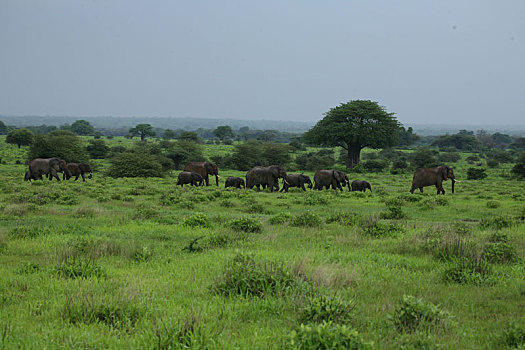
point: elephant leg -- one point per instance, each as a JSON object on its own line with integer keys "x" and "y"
{"x": 54, "y": 174}
{"x": 258, "y": 188}
{"x": 76, "y": 177}
{"x": 207, "y": 180}
{"x": 302, "y": 186}
{"x": 421, "y": 189}
{"x": 83, "y": 177}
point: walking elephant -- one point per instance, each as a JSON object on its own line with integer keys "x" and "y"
{"x": 268, "y": 176}
{"x": 49, "y": 167}
{"x": 204, "y": 169}
{"x": 188, "y": 177}
{"x": 296, "y": 180}
{"x": 433, "y": 177}
{"x": 361, "y": 185}
{"x": 233, "y": 181}
{"x": 327, "y": 178}
{"x": 78, "y": 169}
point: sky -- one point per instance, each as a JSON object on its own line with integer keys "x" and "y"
{"x": 427, "y": 61}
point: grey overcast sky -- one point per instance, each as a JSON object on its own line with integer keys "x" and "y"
{"x": 428, "y": 61}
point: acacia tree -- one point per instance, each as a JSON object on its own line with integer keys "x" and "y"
{"x": 142, "y": 130}
{"x": 82, "y": 127}
{"x": 223, "y": 132}
{"x": 20, "y": 137}
{"x": 354, "y": 126}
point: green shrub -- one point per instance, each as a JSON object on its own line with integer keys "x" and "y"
{"x": 189, "y": 333}
{"x": 326, "y": 336}
{"x": 79, "y": 268}
{"x": 29, "y": 232}
{"x": 315, "y": 198}
{"x": 493, "y": 204}
{"x": 468, "y": 271}
{"x": 472, "y": 159}
{"x": 500, "y": 253}
{"x": 145, "y": 212}
{"x": 497, "y": 222}
{"x": 243, "y": 276}
{"x": 116, "y": 312}
{"x": 371, "y": 226}
{"x": 394, "y": 211}
{"x": 141, "y": 254}
{"x": 323, "y": 308}
{"x": 414, "y": 314}
{"x": 197, "y": 220}
{"x": 246, "y": 224}
{"x": 476, "y": 174}
{"x": 256, "y": 208}
{"x": 279, "y": 219}
{"x": 344, "y": 218}
{"x": 451, "y": 157}
{"x": 513, "y": 337}
{"x": 306, "y": 219}
{"x": 135, "y": 164}
{"x": 375, "y": 165}
{"x": 492, "y": 163}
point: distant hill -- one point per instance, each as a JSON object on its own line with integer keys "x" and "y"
{"x": 437, "y": 129}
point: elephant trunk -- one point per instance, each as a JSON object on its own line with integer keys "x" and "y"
{"x": 453, "y": 182}
{"x": 217, "y": 179}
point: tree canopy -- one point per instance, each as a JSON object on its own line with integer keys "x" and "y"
{"x": 223, "y": 132}
{"x": 354, "y": 126}
{"x": 59, "y": 143}
{"x": 82, "y": 127}
{"x": 20, "y": 137}
{"x": 142, "y": 130}
{"x": 3, "y": 128}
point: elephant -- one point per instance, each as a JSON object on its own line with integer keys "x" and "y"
{"x": 361, "y": 185}
{"x": 233, "y": 181}
{"x": 78, "y": 169}
{"x": 269, "y": 176}
{"x": 29, "y": 176}
{"x": 188, "y": 177}
{"x": 433, "y": 176}
{"x": 296, "y": 180}
{"x": 334, "y": 178}
{"x": 204, "y": 169}
{"x": 49, "y": 167}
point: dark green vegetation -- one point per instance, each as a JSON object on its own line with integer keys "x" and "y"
{"x": 141, "y": 263}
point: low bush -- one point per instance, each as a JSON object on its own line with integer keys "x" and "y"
{"x": 493, "y": 204}
{"x": 513, "y": 337}
{"x": 243, "y": 276}
{"x": 499, "y": 253}
{"x": 306, "y": 219}
{"x": 314, "y": 198}
{"x": 476, "y": 173}
{"x": 196, "y": 220}
{"x": 497, "y": 222}
{"x": 373, "y": 227}
{"x": 393, "y": 209}
{"x": 189, "y": 333}
{"x": 79, "y": 268}
{"x": 326, "y": 336}
{"x": 29, "y": 232}
{"x": 450, "y": 157}
{"x": 246, "y": 224}
{"x": 323, "y": 308}
{"x": 414, "y": 314}
{"x": 375, "y": 165}
{"x": 468, "y": 271}
{"x": 343, "y": 218}
{"x": 141, "y": 254}
{"x": 279, "y": 219}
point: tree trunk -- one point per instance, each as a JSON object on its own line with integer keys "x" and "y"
{"x": 354, "y": 153}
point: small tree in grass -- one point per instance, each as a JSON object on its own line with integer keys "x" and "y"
{"x": 20, "y": 137}
{"x": 142, "y": 130}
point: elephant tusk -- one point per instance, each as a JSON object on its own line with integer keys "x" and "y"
{"x": 457, "y": 181}
{"x": 286, "y": 181}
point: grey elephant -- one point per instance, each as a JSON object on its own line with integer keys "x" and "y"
{"x": 433, "y": 177}
{"x": 233, "y": 181}
{"x": 204, "y": 169}
{"x": 49, "y": 167}
{"x": 361, "y": 185}
{"x": 188, "y": 177}
{"x": 78, "y": 169}
{"x": 268, "y": 176}
{"x": 29, "y": 176}
{"x": 296, "y": 180}
{"x": 333, "y": 178}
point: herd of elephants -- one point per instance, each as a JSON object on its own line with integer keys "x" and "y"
{"x": 197, "y": 173}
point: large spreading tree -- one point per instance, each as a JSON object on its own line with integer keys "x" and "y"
{"x": 142, "y": 130}
{"x": 20, "y": 137}
{"x": 354, "y": 126}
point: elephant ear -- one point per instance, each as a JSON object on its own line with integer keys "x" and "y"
{"x": 275, "y": 171}
{"x": 208, "y": 167}
{"x": 444, "y": 172}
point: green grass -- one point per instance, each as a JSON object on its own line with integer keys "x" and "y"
{"x": 142, "y": 263}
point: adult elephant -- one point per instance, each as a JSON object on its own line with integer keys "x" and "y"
{"x": 78, "y": 169}
{"x": 433, "y": 177}
{"x": 233, "y": 181}
{"x": 327, "y": 178}
{"x": 188, "y": 177}
{"x": 49, "y": 167}
{"x": 204, "y": 169}
{"x": 297, "y": 180}
{"x": 361, "y": 185}
{"x": 269, "y": 176}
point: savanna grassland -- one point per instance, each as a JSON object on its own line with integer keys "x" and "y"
{"x": 142, "y": 263}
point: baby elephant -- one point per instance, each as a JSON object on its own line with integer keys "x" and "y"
{"x": 233, "y": 181}
{"x": 361, "y": 185}
{"x": 78, "y": 169}
{"x": 296, "y": 180}
{"x": 188, "y": 177}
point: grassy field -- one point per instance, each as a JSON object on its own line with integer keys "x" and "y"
{"x": 142, "y": 263}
